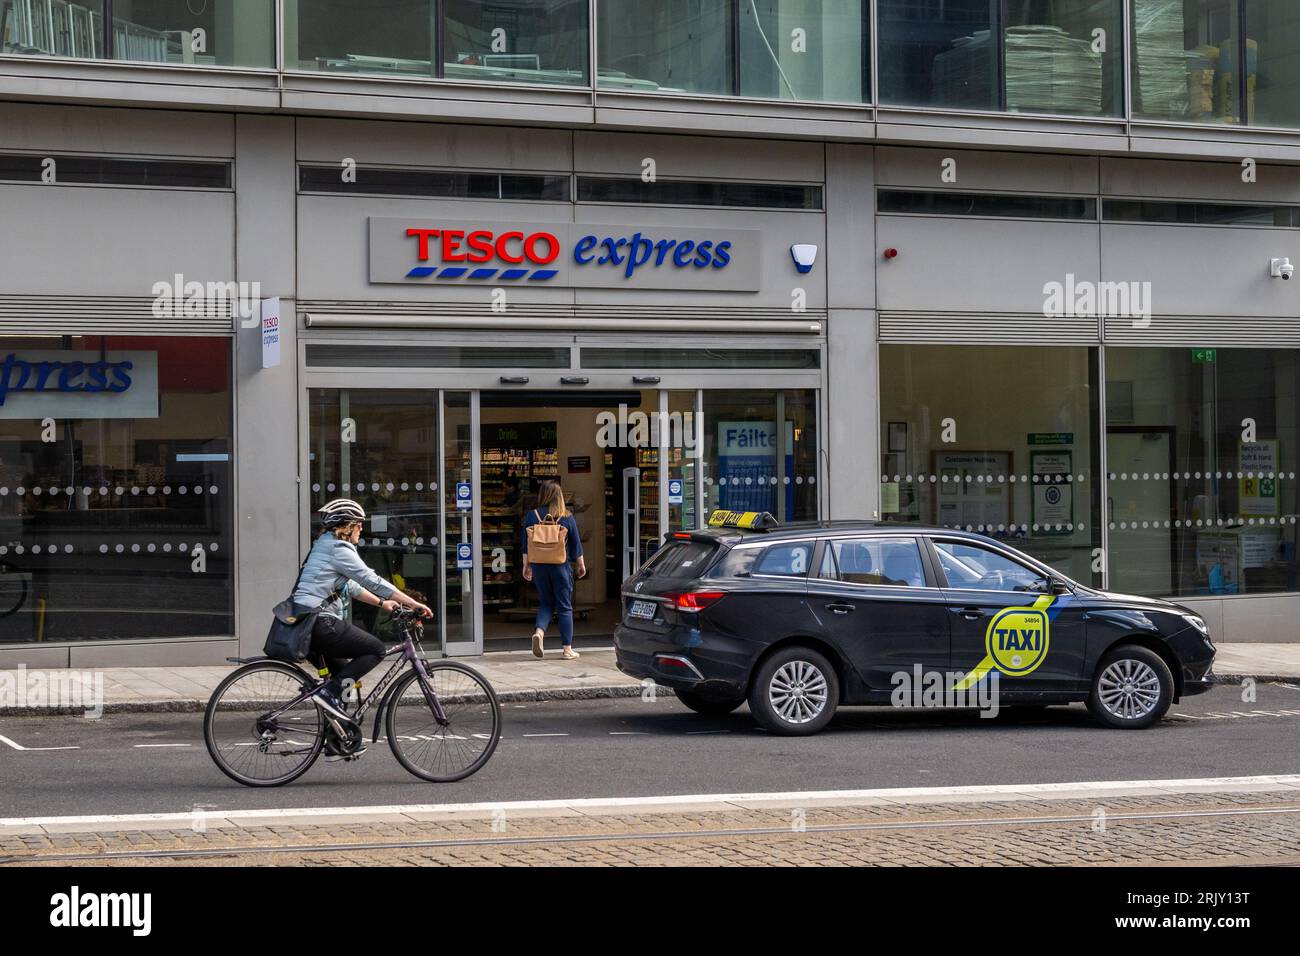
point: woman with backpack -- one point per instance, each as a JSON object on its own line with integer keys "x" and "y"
{"x": 550, "y": 544}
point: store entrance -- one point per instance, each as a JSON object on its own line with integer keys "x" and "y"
{"x": 603, "y": 448}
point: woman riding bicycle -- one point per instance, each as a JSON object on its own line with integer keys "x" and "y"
{"x": 332, "y": 577}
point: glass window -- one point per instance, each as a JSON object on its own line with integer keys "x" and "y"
{"x": 1202, "y": 460}
{"x": 209, "y": 32}
{"x": 787, "y": 560}
{"x": 1185, "y": 55}
{"x": 436, "y": 183}
{"x": 748, "y": 465}
{"x": 435, "y": 356}
{"x": 997, "y": 441}
{"x": 1273, "y": 61}
{"x": 517, "y": 41}
{"x": 678, "y": 192}
{"x": 804, "y": 50}
{"x": 64, "y": 29}
{"x": 381, "y": 36}
{"x": 671, "y": 46}
{"x": 700, "y": 358}
{"x": 1054, "y": 56}
{"x": 680, "y": 559}
{"x": 100, "y": 170}
{"x": 380, "y": 447}
{"x": 985, "y": 204}
{"x": 115, "y": 481}
{"x": 893, "y": 562}
{"x": 1200, "y": 214}
{"x": 980, "y": 569}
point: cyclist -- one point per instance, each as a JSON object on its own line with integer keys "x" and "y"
{"x": 335, "y": 574}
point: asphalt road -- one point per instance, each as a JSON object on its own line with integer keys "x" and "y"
{"x": 140, "y": 763}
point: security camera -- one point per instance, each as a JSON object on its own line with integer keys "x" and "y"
{"x": 1282, "y": 268}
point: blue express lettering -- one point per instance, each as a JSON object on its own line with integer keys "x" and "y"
{"x": 17, "y": 375}
{"x": 633, "y": 252}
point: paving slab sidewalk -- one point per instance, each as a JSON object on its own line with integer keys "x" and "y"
{"x": 516, "y": 675}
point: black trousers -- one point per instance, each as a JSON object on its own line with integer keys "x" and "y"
{"x": 338, "y": 641}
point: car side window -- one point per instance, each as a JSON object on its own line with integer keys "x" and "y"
{"x": 788, "y": 560}
{"x": 982, "y": 569}
{"x": 893, "y": 562}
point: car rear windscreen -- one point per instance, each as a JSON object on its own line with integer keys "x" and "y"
{"x": 681, "y": 559}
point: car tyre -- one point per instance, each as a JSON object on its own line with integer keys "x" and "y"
{"x": 708, "y": 706}
{"x": 794, "y": 692}
{"x": 1131, "y": 688}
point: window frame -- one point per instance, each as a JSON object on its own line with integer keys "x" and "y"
{"x": 1047, "y": 573}
{"x": 927, "y": 562}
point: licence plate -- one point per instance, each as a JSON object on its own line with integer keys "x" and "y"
{"x": 645, "y": 610}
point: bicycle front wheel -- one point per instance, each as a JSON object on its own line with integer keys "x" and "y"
{"x": 443, "y": 753}
{"x": 248, "y": 744}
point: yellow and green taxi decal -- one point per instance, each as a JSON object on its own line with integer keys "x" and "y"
{"x": 1017, "y": 639}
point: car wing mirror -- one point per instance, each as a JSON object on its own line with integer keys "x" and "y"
{"x": 1057, "y": 586}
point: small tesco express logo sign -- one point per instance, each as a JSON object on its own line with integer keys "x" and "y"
{"x": 532, "y": 254}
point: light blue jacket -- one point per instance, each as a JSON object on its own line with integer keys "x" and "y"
{"x": 335, "y": 569}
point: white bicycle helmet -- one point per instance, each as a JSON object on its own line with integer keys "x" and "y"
{"x": 341, "y": 511}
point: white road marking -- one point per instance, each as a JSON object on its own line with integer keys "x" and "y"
{"x": 629, "y": 733}
{"x": 17, "y": 746}
{"x": 162, "y": 745}
{"x": 1090, "y": 789}
{"x": 696, "y": 733}
{"x": 543, "y": 735}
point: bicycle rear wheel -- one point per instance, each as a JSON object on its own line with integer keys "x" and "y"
{"x": 440, "y": 753}
{"x": 251, "y": 747}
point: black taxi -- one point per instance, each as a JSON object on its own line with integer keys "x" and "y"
{"x": 797, "y": 620}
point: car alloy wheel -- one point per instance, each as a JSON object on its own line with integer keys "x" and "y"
{"x": 1128, "y": 689}
{"x": 798, "y": 692}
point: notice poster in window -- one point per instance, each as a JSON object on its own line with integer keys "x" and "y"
{"x": 972, "y": 489}
{"x": 1257, "y": 478}
{"x": 747, "y": 466}
{"x": 1053, "y": 494}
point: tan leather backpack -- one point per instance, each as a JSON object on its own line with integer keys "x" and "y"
{"x": 548, "y": 540}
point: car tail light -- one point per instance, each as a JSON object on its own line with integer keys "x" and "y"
{"x": 684, "y": 535}
{"x": 695, "y": 600}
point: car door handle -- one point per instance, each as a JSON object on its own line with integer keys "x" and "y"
{"x": 840, "y": 607}
{"x": 969, "y": 613}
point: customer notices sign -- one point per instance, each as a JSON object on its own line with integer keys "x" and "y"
{"x": 453, "y": 253}
{"x": 54, "y": 383}
{"x": 747, "y": 478}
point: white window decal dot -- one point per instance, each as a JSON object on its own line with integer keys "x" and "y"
{"x": 182, "y": 490}
{"x": 167, "y": 489}
{"x": 315, "y": 486}
{"x": 135, "y": 490}
{"x": 36, "y": 491}
{"x": 151, "y": 548}
{"x": 167, "y": 548}
{"x": 419, "y": 486}
{"x": 405, "y": 486}
{"x": 103, "y": 549}
{"x": 67, "y": 549}
{"x": 135, "y": 549}
{"x": 213, "y": 546}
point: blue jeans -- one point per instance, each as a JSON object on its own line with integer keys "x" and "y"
{"x": 554, "y": 583}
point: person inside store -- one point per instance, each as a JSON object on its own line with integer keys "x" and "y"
{"x": 552, "y": 533}
{"x": 333, "y": 576}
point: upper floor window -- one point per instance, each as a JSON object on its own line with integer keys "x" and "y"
{"x": 779, "y": 49}
{"x": 196, "y": 33}
{"x": 1044, "y": 56}
{"x": 511, "y": 41}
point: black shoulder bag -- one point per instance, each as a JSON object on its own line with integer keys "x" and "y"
{"x": 289, "y": 638}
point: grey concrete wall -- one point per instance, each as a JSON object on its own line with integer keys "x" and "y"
{"x": 266, "y": 422}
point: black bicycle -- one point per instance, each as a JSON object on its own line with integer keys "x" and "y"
{"x": 443, "y": 720}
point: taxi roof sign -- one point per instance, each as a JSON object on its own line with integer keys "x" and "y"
{"x": 748, "y": 520}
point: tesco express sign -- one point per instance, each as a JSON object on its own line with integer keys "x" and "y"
{"x": 564, "y": 254}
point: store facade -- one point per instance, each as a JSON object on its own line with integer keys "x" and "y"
{"x": 455, "y": 352}
{"x": 1084, "y": 355}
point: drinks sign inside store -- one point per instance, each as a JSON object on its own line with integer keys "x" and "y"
{"x": 565, "y": 254}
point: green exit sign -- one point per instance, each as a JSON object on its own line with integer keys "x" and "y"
{"x": 1203, "y": 356}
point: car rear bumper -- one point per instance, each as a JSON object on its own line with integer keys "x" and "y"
{"x": 678, "y": 658}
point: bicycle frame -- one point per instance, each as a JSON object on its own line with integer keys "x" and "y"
{"x": 407, "y": 650}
